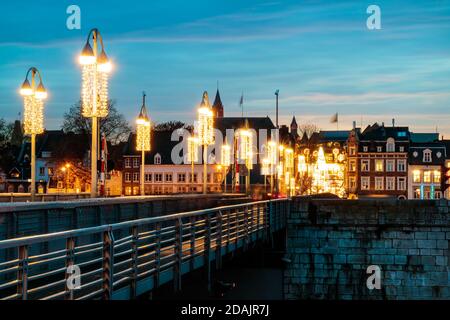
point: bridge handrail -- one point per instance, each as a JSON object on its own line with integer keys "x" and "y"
{"x": 168, "y": 242}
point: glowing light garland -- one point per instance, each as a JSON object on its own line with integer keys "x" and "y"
{"x": 226, "y": 155}
{"x": 143, "y": 136}
{"x": 33, "y": 117}
{"x": 205, "y": 126}
{"x": 90, "y": 77}
{"x": 192, "y": 154}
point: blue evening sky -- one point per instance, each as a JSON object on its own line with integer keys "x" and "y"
{"x": 320, "y": 55}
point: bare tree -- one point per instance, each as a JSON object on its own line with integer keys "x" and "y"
{"x": 114, "y": 126}
{"x": 308, "y": 128}
{"x": 171, "y": 126}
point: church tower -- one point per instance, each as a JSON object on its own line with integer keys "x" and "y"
{"x": 217, "y": 106}
{"x": 294, "y": 127}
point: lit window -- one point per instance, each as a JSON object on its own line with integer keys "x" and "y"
{"x": 379, "y": 149}
{"x": 365, "y": 148}
{"x": 379, "y": 181}
{"x": 352, "y": 151}
{"x": 128, "y": 165}
{"x": 416, "y": 176}
{"x": 437, "y": 176}
{"x": 128, "y": 178}
{"x": 379, "y": 165}
{"x": 136, "y": 162}
{"x": 352, "y": 182}
{"x": 352, "y": 165}
{"x": 136, "y": 176}
{"x": 427, "y": 176}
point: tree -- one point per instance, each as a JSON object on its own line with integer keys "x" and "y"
{"x": 308, "y": 128}
{"x": 171, "y": 126}
{"x": 7, "y": 149}
{"x": 114, "y": 126}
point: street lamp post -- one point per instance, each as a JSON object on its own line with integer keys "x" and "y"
{"x": 205, "y": 132}
{"x": 143, "y": 127}
{"x": 246, "y": 153}
{"x": 192, "y": 157}
{"x": 33, "y": 100}
{"x": 225, "y": 162}
{"x": 95, "y": 69}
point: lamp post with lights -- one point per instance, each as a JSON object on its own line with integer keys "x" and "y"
{"x": 205, "y": 132}
{"x": 33, "y": 100}
{"x": 246, "y": 152}
{"x": 143, "y": 127}
{"x": 225, "y": 162}
{"x": 192, "y": 157}
{"x": 95, "y": 70}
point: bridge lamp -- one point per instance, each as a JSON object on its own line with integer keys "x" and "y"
{"x": 192, "y": 155}
{"x": 205, "y": 132}
{"x": 94, "y": 93}
{"x": 33, "y": 116}
{"x": 246, "y": 152}
{"x": 143, "y": 127}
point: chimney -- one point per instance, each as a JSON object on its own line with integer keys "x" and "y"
{"x": 393, "y": 122}
{"x": 354, "y": 125}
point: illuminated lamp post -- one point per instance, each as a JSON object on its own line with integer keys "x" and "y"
{"x": 192, "y": 156}
{"x": 265, "y": 171}
{"x": 205, "y": 133}
{"x": 273, "y": 161}
{"x": 246, "y": 153}
{"x": 94, "y": 93}
{"x": 302, "y": 169}
{"x": 289, "y": 170}
{"x": 225, "y": 162}
{"x": 143, "y": 139}
{"x": 33, "y": 101}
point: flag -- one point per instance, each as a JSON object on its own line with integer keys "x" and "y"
{"x": 334, "y": 118}
{"x": 241, "y": 101}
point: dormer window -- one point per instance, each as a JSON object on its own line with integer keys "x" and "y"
{"x": 157, "y": 159}
{"x": 390, "y": 145}
{"x": 427, "y": 155}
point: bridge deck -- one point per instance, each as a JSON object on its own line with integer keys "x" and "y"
{"x": 124, "y": 260}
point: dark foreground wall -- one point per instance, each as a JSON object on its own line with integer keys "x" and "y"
{"x": 332, "y": 242}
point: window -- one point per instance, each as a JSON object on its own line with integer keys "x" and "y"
{"x": 379, "y": 181}
{"x": 437, "y": 176}
{"x": 390, "y": 165}
{"x": 401, "y": 165}
{"x": 365, "y": 165}
{"x": 427, "y": 176}
{"x": 390, "y": 145}
{"x": 195, "y": 177}
{"x": 352, "y": 182}
{"x": 157, "y": 159}
{"x": 401, "y": 183}
{"x": 158, "y": 177}
{"x": 128, "y": 178}
{"x": 42, "y": 171}
{"x": 365, "y": 148}
{"x": 168, "y": 177}
{"x": 365, "y": 183}
{"x": 352, "y": 151}
{"x": 208, "y": 178}
{"x": 437, "y": 195}
{"x": 50, "y": 171}
{"x": 417, "y": 193}
{"x": 401, "y": 149}
{"x": 427, "y": 155}
{"x": 181, "y": 177}
{"x": 128, "y": 165}
{"x": 136, "y": 176}
{"x": 379, "y": 164}
{"x": 148, "y": 177}
{"x": 379, "y": 149}
{"x": 135, "y": 162}
{"x": 390, "y": 183}
{"x": 401, "y": 134}
{"x": 352, "y": 165}
{"x": 128, "y": 191}
{"x": 416, "y": 176}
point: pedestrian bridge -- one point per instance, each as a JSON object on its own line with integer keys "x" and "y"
{"x": 126, "y": 259}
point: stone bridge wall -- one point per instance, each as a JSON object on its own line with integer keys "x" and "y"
{"x": 332, "y": 242}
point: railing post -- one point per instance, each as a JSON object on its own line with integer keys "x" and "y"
{"x": 134, "y": 260}
{"x": 178, "y": 254}
{"x": 108, "y": 264}
{"x": 219, "y": 240}
{"x": 192, "y": 243}
{"x": 70, "y": 248}
{"x": 157, "y": 253}
{"x": 207, "y": 249}
{"x": 22, "y": 273}
{"x": 246, "y": 227}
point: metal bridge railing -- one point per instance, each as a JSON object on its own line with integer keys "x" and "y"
{"x": 124, "y": 260}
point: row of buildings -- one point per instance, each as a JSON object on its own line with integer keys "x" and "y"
{"x": 377, "y": 161}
